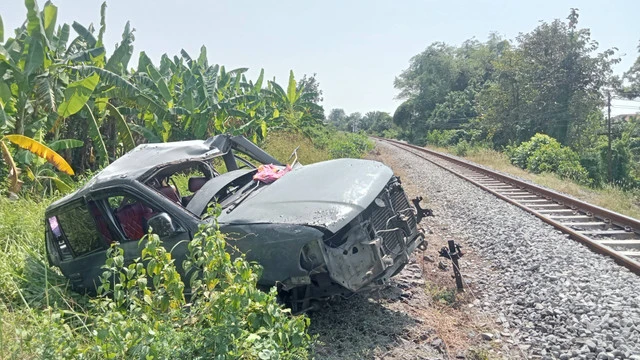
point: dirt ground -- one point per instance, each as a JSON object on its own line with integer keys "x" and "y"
{"x": 419, "y": 315}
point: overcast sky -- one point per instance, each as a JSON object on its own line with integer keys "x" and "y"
{"x": 356, "y": 48}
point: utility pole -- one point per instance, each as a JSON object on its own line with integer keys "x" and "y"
{"x": 609, "y": 165}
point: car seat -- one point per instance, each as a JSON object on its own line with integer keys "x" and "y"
{"x": 133, "y": 220}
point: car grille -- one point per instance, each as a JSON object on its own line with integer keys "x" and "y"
{"x": 401, "y": 203}
{"x": 395, "y": 201}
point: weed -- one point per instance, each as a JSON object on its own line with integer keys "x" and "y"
{"x": 143, "y": 313}
{"x": 316, "y": 144}
{"x": 441, "y": 295}
{"x": 461, "y": 148}
{"x": 478, "y": 354}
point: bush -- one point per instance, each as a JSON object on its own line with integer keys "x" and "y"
{"x": 141, "y": 311}
{"x": 439, "y": 137}
{"x": 318, "y": 143}
{"x": 445, "y": 138}
{"x": 392, "y": 133}
{"x": 591, "y": 161}
{"x": 621, "y": 164}
{"x": 545, "y": 154}
{"x": 461, "y": 148}
{"x": 349, "y": 145}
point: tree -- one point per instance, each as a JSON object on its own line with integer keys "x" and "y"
{"x": 376, "y": 122}
{"x": 337, "y": 117}
{"x": 441, "y": 84}
{"x": 632, "y": 78}
{"x": 353, "y": 122}
{"x": 567, "y": 75}
{"x": 311, "y": 84}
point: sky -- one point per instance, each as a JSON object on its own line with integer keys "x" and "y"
{"x": 355, "y": 48}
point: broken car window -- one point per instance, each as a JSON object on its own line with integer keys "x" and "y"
{"x": 79, "y": 228}
{"x": 132, "y": 215}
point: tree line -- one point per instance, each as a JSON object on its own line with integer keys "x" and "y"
{"x": 553, "y": 80}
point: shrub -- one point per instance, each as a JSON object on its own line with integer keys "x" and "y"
{"x": 349, "y": 145}
{"x": 461, "y": 148}
{"x": 439, "y": 137}
{"x": 621, "y": 164}
{"x": 453, "y": 137}
{"x": 392, "y": 133}
{"x": 141, "y": 311}
{"x": 227, "y": 316}
{"x": 592, "y": 163}
{"x": 545, "y": 154}
{"x": 318, "y": 143}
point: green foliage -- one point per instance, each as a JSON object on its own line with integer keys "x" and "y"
{"x": 393, "y": 133}
{"x": 545, "y": 154}
{"x": 441, "y": 84}
{"x": 445, "y": 138}
{"x": 441, "y": 295}
{"x": 479, "y": 354}
{"x": 373, "y": 122}
{"x": 349, "y": 145}
{"x": 549, "y": 80}
{"x": 622, "y": 173}
{"x": 591, "y": 161}
{"x": 281, "y": 143}
{"x": 52, "y": 89}
{"x": 142, "y": 311}
{"x": 318, "y": 143}
{"x": 461, "y": 148}
{"x": 77, "y": 94}
{"x": 439, "y": 138}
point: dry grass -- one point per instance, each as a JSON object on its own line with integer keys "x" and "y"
{"x": 609, "y": 197}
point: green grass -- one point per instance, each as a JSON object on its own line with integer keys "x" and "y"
{"x": 441, "y": 295}
{"x": 280, "y": 144}
{"x": 316, "y": 144}
{"x": 29, "y": 289}
{"x": 40, "y": 317}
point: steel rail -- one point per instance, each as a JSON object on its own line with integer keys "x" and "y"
{"x": 524, "y": 192}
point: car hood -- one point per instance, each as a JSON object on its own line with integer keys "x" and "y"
{"x": 328, "y": 194}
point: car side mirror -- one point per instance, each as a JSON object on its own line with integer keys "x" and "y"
{"x": 162, "y": 224}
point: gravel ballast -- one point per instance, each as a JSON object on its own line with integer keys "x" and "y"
{"x": 552, "y": 297}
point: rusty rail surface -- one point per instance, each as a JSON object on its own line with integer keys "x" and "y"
{"x": 604, "y": 231}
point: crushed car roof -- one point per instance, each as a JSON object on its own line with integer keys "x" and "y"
{"x": 146, "y": 158}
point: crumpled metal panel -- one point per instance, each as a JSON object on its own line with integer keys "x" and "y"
{"x": 328, "y": 194}
{"x": 355, "y": 263}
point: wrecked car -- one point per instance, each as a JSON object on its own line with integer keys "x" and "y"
{"x": 325, "y": 229}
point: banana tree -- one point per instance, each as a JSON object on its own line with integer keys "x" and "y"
{"x": 36, "y": 148}
{"x": 295, "y": 104}
{"x": 203, "y": 99}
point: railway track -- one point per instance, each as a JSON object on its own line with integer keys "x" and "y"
{"x": 604, "y": 231}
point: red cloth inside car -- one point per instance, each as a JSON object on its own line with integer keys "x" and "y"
{"x": 133, "y": 220}
{"x": 101, "y": 222}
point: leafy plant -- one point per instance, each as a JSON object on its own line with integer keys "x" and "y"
{"x": 461, "y": 148}
{"x": 545, "y": 154}
{"x": 36, "y": 148}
